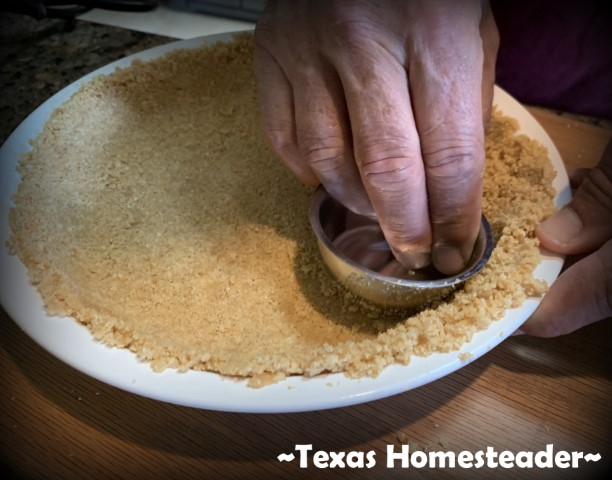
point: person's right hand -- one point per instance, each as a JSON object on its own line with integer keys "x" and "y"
{"x": 383, "y": 103}
{"x": 583, "y": 293}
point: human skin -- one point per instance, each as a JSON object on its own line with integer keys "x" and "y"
{"x": 582, "y": 229}
{"x": 385, "y": 104}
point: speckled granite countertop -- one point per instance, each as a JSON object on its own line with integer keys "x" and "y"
{"x": 39, "y": 58}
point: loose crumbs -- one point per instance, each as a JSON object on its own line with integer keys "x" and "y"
{"x": 151, "y": 210}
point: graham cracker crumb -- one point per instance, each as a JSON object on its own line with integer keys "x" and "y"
{"x": 465, "y": 356}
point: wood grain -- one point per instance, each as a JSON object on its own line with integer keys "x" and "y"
{"x": 58, "y": 423}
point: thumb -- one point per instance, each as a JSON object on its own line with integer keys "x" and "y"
{"x": 583, "y": 293}
{"x": 585, "y": 223}
{"x": 580, "y": 296}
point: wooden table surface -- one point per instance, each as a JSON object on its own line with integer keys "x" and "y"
{"x": 59, "y": 423}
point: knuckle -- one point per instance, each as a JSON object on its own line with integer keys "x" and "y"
{"x": 453, "y": 218}
{"x": 596, "y": 191}
{"x": 455, "y": 164}
{"x": 447, "y": 156}
{"x": 387, "y": 178}
{"x": 323, "y": 155}
{"x": 389, "y": 165}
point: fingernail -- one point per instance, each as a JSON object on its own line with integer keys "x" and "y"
{"x": 517, "y": 332}
{"x": 448, "y": 259}
{"x": 363, "y": 208}
{"x": 355, "y": 201}
{"x": 413, "y": 260}
{"x": 563, "y": 226}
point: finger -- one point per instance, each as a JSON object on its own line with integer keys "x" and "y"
{"x": 578, "y": 176}
{"x": 585, "y": 223}
{"x": 490, "y": 45}
{"x": 323, "y": 135}
{"x": 386, "y": 148}
{"x": 580, "y": 296}
{"x": 277, "y": 114}
{"x": 446, "y": 92}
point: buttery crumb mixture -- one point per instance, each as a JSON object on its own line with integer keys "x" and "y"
{"x": 151, "y": 210}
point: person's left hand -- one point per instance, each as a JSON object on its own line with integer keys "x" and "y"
{"x": 583, "y": 293}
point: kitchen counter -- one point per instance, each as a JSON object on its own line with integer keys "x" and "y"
{"x": 39, "y": 58}
{"x": 59, "y": 423}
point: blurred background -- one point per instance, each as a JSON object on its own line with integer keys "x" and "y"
{"x": 184, "y": 18}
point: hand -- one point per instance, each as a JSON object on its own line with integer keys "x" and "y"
{"x": 583, "y": 293}
{"x": 383, "y": 103}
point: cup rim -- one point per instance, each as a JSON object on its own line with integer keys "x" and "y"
{"x": 321, "y": 195}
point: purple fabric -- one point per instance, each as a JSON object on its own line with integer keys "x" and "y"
{"x": 556, "y": 54}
